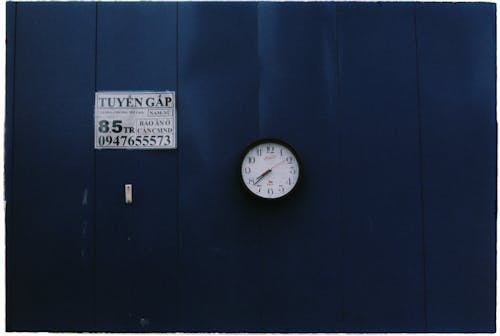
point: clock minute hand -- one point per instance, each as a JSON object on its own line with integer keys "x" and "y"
{"x": 261, "y": 176}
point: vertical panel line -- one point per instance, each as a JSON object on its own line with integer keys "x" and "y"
{"x": 178, "y": 229}
{"x": 421, "y": 168}
{"x": 260, "y": 245}
{"x": 10, "y": 212}
{"x": 95, "y": 172}
{"x": 259, "y": 67}
{"x": 340, "y": 179}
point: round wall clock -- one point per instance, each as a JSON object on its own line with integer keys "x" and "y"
{"x": 270, "y": 169}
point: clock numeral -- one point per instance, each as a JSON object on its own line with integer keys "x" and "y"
{"x": 293, "y": 170}
{"x": 289, "y": 181}
{"x": 281, "y": 151}
{"x": 281, "y": 189}
{"x": 270, "y": 149}
{"x": 260, "y": 187}
{"x": 270, "y": 191}
{"x": 251, "y": 159}
{"x": 259, "y": 151}
{"x": 289, "y": 159}
{"x": 251, "y": 181}
{"x": 247, "y": 170}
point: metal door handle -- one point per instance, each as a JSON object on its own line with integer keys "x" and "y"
{"x": 128, "y": 194}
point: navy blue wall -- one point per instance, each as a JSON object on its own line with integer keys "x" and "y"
{"x": 136, "y": 246}
{"x": 50, "y": 195}
{"x": 391, "y": 107}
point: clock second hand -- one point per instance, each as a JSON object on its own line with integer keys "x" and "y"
{"x": 261, "y": 176}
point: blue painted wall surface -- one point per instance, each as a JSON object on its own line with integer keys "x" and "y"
{"x": 391, "y": 107}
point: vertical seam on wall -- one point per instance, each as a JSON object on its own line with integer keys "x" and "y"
{"x": 178, "y": 231}
{"x": 95, "y": 177}
{"x": 10, "y": 212}
{"x": 259, "y": 69}
{"x": 421, "y": 168}
{"x": 495, "y": 185}
{"x": 259, "y": 134}
{"x": 339, "y": 144}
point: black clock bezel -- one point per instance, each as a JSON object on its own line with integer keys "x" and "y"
{"x": 280, "y": 142}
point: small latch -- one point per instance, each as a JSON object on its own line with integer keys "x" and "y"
{"x": 128, "y": 194}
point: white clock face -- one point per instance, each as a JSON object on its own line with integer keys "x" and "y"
{"x": 270, "y": 169}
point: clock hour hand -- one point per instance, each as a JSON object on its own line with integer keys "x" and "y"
{"x": 261, "y": 176}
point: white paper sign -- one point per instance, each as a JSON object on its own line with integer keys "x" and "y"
{"x": 135, "y": 120}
